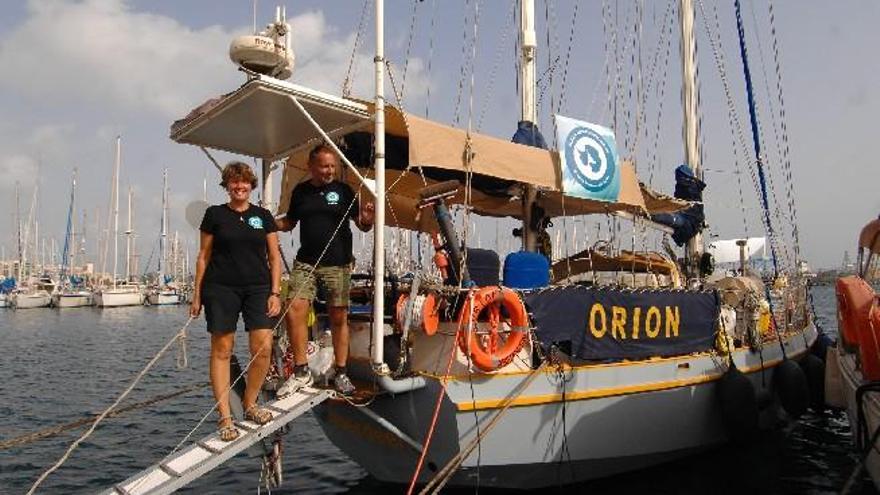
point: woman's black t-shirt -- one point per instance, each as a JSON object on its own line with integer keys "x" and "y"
{"x": 319, "y": 211}
{"x": 239, "y": 255}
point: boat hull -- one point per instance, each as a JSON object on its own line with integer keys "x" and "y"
{"x": 164, "y": 298}
{"x": 617, "y": 418}
{"x": 41, "y": 299}
{"x": 73, "y": 300}
{"x": 851, "y": 379}
{"x": 112, "y": 298}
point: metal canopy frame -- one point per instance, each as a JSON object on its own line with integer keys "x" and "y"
{"x": 258, "y": 119}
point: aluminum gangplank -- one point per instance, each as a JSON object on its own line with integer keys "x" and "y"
{"x": 183, "y": 467}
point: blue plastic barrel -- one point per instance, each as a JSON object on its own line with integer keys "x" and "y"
{"x": 526, "y": 270}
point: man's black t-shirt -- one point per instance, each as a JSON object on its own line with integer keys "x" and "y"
{"x": 319, "y": 210}
{"x": 239, "y": 256}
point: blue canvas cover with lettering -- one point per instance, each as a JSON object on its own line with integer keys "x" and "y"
{"x": 605, "y": 324}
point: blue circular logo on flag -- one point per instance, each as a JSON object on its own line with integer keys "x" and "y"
{"x": 332, "y": 197}
{"x": 255, "y": 222}
{"x": 590, "y": 159}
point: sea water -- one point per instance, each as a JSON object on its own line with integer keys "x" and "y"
{"x": 60, "y": 366}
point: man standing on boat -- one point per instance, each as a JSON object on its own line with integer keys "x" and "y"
{"x": 322, "y": 206}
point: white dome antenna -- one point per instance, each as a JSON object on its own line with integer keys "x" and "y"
{"x": 268, "y": 52}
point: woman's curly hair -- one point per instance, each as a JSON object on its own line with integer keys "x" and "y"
{"x": 237, "y": 171}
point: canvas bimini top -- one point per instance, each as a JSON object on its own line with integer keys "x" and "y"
{"x": 261, "y": 119}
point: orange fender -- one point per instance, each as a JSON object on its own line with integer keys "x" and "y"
{"x": 484, "y": 349}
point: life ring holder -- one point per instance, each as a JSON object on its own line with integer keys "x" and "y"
{"x": 483, "y": 349}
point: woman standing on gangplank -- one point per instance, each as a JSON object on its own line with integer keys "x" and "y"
{"x": 238, "y": 271}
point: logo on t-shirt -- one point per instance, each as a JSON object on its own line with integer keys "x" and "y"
{"x": 332, "y": 198}
{"x": 255, "y": 222}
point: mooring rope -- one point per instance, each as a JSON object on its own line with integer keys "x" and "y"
{"x": 54, "y": 430}
{"x": 113, "y": 406}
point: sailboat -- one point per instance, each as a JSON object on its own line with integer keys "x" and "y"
{"x": 164, "y": 293}
{"x": 547, "y": 363}
{"x": 71, "y": 293}
{"x": 115, "y": 293}
{"x": 31, "y": 292}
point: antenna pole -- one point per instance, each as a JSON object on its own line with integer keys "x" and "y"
{"x": 379, "y": 224}
{"x": 528, "y": 111}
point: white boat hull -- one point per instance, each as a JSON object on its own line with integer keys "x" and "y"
{"x": 39, "y": 299}
{"x": 851, "y": 379}
{"x": 618, "y": 417}
{"x": 114, "y": 298}
{"x": 164, "y": 298}
{"x": 72, "y": 300}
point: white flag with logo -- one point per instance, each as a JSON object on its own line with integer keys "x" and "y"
{"x": 588, "y": 157}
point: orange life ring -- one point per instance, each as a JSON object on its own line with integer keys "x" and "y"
{"x": 484, "y": 349}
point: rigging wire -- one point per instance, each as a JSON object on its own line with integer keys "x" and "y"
{"x": 409, "y": 43}
{"x": 352, "y": 69}
{"x": 755, "y": 137}
{"x": 736, "y": 127}
{"x": 430, "y": 57}
{"x": 666, "y": 29}
{"x": 786, "y": 155}
{"x": 490, "y": 89}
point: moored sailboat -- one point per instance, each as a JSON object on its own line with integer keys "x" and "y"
{"x": 536, "y": 366}
{"x": 116, "y": 294}
{"x": 71, "y": 292}
{"x": 163, "y": 293}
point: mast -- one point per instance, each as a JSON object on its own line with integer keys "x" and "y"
{"x": 128, "y": 232}
{"x": 528, "y": 111}
{"x": 18, "y": 219}
{"x": 690, "y": 130}
{"x": 69, "y": 240}
{"x": 115, "y": 205}
{"x": 379, "y": 223}
{"x": 175, "y": 257}
{"x": 72, "y": 261}
{"x": 164, "y": 232}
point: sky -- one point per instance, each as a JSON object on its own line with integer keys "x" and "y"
{"x": 78, "y": 73}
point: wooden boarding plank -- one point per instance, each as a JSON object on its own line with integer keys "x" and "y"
{"x": 211, "y": 452}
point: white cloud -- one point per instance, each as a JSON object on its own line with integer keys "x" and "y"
{"x": 104, "y": 51}
{"x": 80, "y": 72}
{"x": 18, "y": 168}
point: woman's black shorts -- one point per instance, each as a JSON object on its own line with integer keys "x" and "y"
{"x": 223, "y": 303}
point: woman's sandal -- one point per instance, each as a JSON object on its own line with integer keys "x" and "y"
{"x": 258, "y": 415}
{"x": 226, "y": 429}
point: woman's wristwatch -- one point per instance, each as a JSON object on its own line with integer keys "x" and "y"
{"x": 276, "y": 293}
